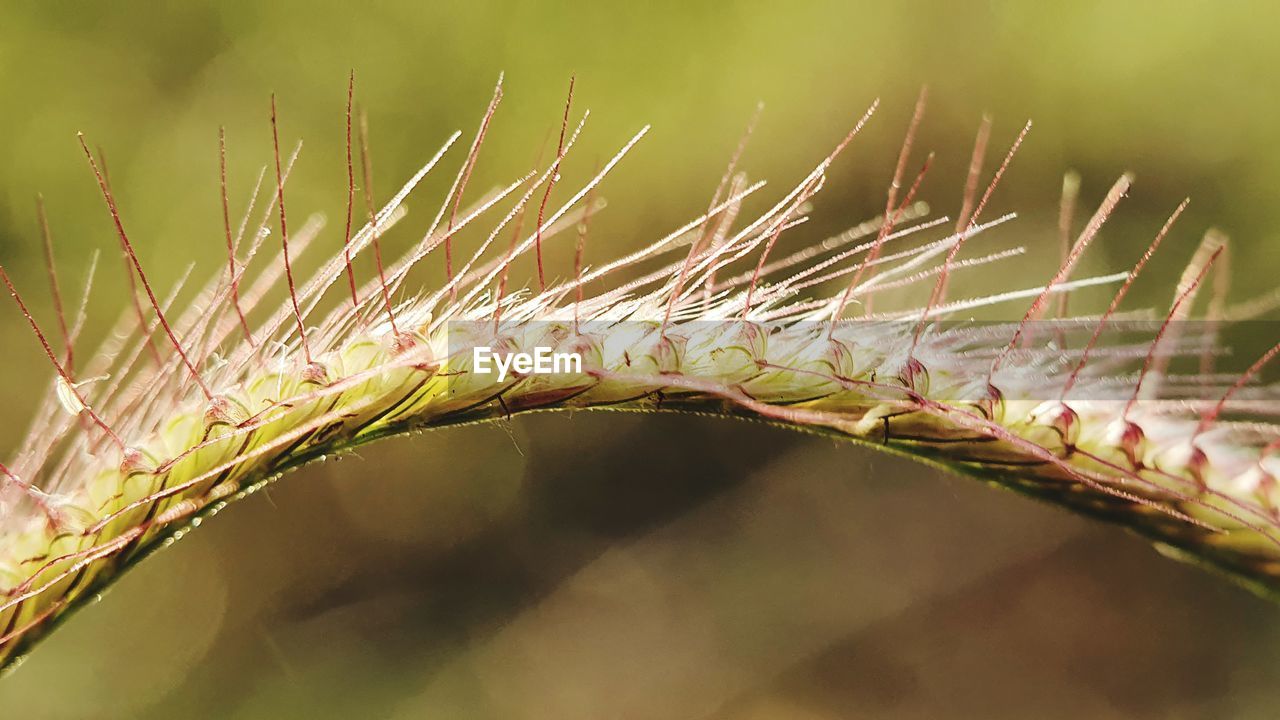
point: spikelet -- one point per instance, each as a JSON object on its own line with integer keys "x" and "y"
{"x": 1086, "y": 412}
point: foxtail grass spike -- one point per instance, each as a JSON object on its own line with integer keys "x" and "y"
{"x": 1116, "y": 416}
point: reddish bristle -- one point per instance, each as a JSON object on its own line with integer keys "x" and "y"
{"x": 128, "y": 271}
{"x": 102, "y": 159}
{"x": 137, "y": 310}
{"x": 1086, "y": 236}
{"x": 472, "y": 156}
{"x": 707, "y": 231}
{"x": 890, "y": 206}
{"x": 55, "y": 290}
{"x": 904, "y": 153}
{"x": 137, "y": 265}
{"x": 50, "y": 516}
{"x": 366, "y": 176}
{"x": 729, "y": 172}
{"x": 1066, "y": 216}
{"x": 232, "y": 275}
{"x": 351, "y": 196}
{"x": 1217, "y": 309}
{"x": 1115, "y": 302}
{"x": 1212, "y": 241}
{"x": 1186, "y": 293}
{"x": 551, "y": 183}
{"x": 32, "y": 492}
{"x": 853, "y": 132}
{"x": 976, "y": 160}
{"x": 517, "y": 227}
{"x": 755, "y": 276}
{"x": 1209, "y": 417}
{"x": 578, "y": 251}
{"x": 284, "y": 235}
{"x": 57, "y": 366}
{"x": 938, "y": 286}
{"x": 696, "y": 247}
{"x": 874, "y": 252}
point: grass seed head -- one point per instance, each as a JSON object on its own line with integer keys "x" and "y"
{"x": 700, "y": 320}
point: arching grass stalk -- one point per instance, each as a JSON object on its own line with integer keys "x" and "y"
{"x": 1084, "y": 412}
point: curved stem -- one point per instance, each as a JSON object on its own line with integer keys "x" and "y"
{"x": 1176, "y": 545}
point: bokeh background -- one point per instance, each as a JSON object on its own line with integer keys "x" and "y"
{"x": 600, "y": 566}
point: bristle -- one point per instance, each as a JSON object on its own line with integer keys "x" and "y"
{"x": 284, "y": 237}
{"x": 1212, "y": 245}
{"x": 658, "y": 247}
{"x": 82, "y": 310}
{"x": 724, "y": 222}
{"x": 1066, "y": 217}
{"x": 1208, "y": 418}
{"x": 794, "y": 280}
{"x": 1090, "y": 231}
{"x": 1254, "y": 307}
{"x": 102, "y": 159}
{"x": 34, "y": 622}
{"x": 755, "y": 276}
{"x": 69, "y": 382}
{"x": 853, "y": 133}
{"x": 1217, "y": 310}
{"x": 465, "y": 272}
{"x": 936, "y": 296}
{"x": 460, "y": 184}
{"x": 105, "y": 179}
{"x": 730, "y": 170}
{"x": 1074, "y": 375}
{"x": 527, "y": 243}
{"x": 1186, "y": 291}
{"x": 890, "y": 207}
{"x": 142, "y": 276}
{"x": 128, "y": 267}
{"x": 55, "y": 291}
{"x": 886, "y": 228}
{"x": 366, "y": 175}
{"x": 516, "y": 229}
{"x": 118, "y": 398}
{"x": 38, "y": 498}
{"x": 698, "y": 245}
{"x": 775, "y": 217}
{"x": 241, "y": 302}
{"x": 546, "y": 195}
{"x": 502, "y": 265}
{"x": 904, "y": 153}
{"x": 233, "y": 277}
{"x": 351, "y": 196}
{"x": 976, "y": 160}
{"x": 578, "y": 251}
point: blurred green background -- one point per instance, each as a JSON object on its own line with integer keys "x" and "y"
{"x": 601, "y": 566}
